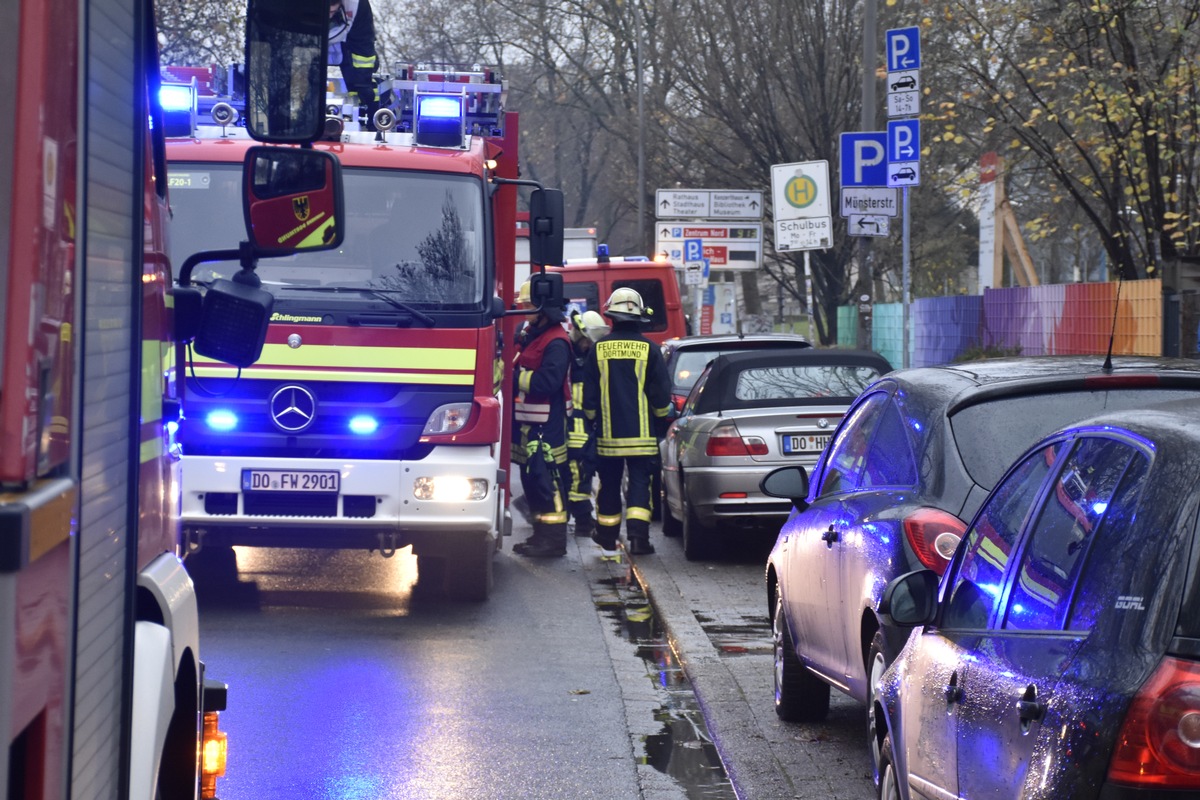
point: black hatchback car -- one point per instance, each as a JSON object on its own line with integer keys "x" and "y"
{"x": 1059, "y": 656}
{"x": 911, "y": 461}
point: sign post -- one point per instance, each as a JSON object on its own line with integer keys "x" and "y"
{"x": 904, "y": 135}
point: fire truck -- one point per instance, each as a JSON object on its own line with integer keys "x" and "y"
{"x": 103, "y": 691}
{"x": 375, "y": 417}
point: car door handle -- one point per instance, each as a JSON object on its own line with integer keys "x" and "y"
{"x": 952, "y": 691}
{"x": 830, "y": 536}
{"x": 1029, "y": 708}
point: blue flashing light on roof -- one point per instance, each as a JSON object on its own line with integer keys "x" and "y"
{"x": 440, "y": 106}
{"x": 175, "y": 97}
{"x": 602, "y": 252}
{"x": 439, "y": 120}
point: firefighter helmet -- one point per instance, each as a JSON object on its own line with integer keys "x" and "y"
{"x": 625, "y": 304}
{"x": 523, "y": 296}
{"x": 594, "y": 326}
{"x": 589, "y": 324}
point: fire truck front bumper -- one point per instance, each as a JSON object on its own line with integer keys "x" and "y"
{"x": 454, "y": 492}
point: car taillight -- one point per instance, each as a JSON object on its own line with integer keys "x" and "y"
{"x": 726, "y": 441}
{"x": 1159, "y": 742}
{"x": 678, "y": 400}
{"x": 933, "y": 535}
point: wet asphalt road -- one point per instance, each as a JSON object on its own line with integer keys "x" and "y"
{"x": 567, "y": 683}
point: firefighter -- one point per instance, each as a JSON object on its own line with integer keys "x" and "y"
{"x": 542, "y": 393}
{"x": 352, "y": 48}
{"x": 586, "y": 329}
{"x": 627, "y": 392}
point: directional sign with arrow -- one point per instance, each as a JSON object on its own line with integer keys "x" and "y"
{"x": 717, "y": 204}
{"x": 867, "y": 225}
{"x": 903, "y": 49}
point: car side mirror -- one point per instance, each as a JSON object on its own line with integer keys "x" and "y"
{"x": 910, "y": 599}
{"x": 292, "y": 200}
{"x": 789, "y": 483}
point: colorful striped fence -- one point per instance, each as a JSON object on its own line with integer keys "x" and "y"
{"x": 1062, "y": 319}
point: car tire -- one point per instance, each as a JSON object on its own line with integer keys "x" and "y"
{"x": 671, "y": 525}
{"x": 800, "y": 696}
{"x": 889, "y": 781}
{"x": 877, "y": 662}
{"x": 697, "y": 539}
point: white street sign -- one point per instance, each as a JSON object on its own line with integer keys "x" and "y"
{"x": 693, "y": 273}
{"x": 683, "y": 203}
{"x": 906, "y": 80}
{"x": 879, "y": 200}
{"x": 731, "y": 246}
{"x": 809, "y": 233}
{"x": 800, "y": 190}
{"x": 903, "y": 104}
{"x": 720, "y": 204}
{"x": 735, "y": 205}
{"x": 904, "y": 173}
{"x": 867, "y": 225}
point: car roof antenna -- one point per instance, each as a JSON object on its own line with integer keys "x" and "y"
{"x": 1108, "y": 367}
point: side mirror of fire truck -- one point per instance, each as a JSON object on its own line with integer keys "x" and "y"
{"x": 292, "y": 200}
{"x": 287, "y": 42}
{"x": 546, "y": 217}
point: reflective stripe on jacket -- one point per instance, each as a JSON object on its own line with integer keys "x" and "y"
{"x": 626, "y": 386}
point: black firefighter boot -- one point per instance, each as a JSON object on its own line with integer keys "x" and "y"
{"x": 548, "y": 541}
{"x": 637, "y": 531}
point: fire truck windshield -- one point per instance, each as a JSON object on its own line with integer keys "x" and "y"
{"x": 416, "y": 236}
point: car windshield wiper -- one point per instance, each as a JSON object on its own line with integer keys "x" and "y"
{"x": 383, "y": 294}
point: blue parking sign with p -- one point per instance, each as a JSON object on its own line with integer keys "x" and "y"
{"x": 864, "y": 158}
{"x": 693, "y": 249}
{"x": 903, "y": 49}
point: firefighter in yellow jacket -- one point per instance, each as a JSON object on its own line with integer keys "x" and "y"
{"x": 627, "y": 393}
{"x": 541, "y": 397}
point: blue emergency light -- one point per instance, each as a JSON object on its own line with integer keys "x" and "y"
{"x": 178, "y": 103}
{"x": 439, "y": 120}
{"x": 363, "y": 425}
{"x": 222, "y": 420}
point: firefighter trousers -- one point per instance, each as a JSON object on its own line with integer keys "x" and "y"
{"x": 638, "y": 506}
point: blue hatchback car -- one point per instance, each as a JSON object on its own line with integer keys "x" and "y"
{"x": 1059, "y": 654}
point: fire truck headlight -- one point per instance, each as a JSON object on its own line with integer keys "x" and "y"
{"x": 450, "y": 418}
{"x": 221, "y": 420}
{"x": 363, "y": 425}
{"x": 450, "y": 488}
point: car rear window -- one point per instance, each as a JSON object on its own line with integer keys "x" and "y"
{"x": 990, "y": 436}
{"x": 691, "y": 361}
{"x": 803, "y": 382}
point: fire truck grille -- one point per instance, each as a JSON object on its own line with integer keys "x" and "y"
{"x": 289, "y": 504}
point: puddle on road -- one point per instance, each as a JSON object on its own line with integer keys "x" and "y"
{"x": 684, "y": 750}
{"x": 753, "y": 636}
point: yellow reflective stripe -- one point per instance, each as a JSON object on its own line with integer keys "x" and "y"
{"x": 400, "y": 358}
{"x": 318, "y": 236}
{"x": 608, "y": 520}
{"x": 152, "y": 380}
{"x": 633, "y": 512}
{"x": 552, "y": 519}
{"x": 151, "y": 449}
{"x": 643, "y": 403}
{"x": 267, "y": 373}
{"x": 362, "y": 62}
{"x": 524, "y": 378}
{"x": 662, "y": 412}
{"x": 626, "y": 450}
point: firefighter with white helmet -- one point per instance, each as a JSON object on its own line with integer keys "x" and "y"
{"x": 585, "y": 330}
{"x": 626, "y": 393}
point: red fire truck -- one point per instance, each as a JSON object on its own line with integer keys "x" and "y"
{"x": 102, "y": 688}
{"x": 375, "y": 417}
